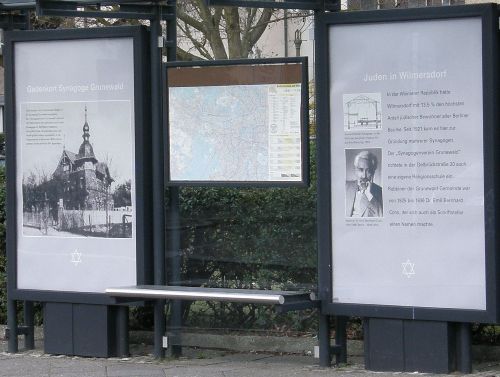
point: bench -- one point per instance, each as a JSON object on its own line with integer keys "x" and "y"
{"x": 285, "y": 300}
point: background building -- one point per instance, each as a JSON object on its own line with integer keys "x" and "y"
{"x": 85, "y": 182}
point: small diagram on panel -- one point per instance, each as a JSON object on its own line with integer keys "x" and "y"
{"x": 363, "y": 191}
{"x": 362, "y": 111}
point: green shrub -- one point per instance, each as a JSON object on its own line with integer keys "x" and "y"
{"x": 252, "y": 239}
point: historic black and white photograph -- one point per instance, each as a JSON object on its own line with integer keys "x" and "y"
{"x": 362, "y": 111}
{"x": 363, "y": 187}
{"x": 77, "y": 165}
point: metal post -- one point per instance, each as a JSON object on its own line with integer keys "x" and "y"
{"x": 158, "y": 184}
{"x": 175, "y": 267}
{"x": 341, "y": 339}
{"x": 27, "y": 13}
{"x": 174, "y": 235}
{"x": 464, "y": 335}
{"x": 122, "y": 330}
{"x": 325, "y": 358}
{"x": 12, "y": 325}
{"x": 366, "y": 343}
{"x": 159, "y": 328}
{"x": 285, "y": 30}
{"x": 297, "y": 41}
{"x": 29, "y": 322}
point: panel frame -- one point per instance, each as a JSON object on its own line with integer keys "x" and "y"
{"x": 489, "y": 17}
{"x": 143, "y": 247}
{"x": 304, "y": 182}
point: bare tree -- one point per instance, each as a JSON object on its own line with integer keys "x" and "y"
{"x": 203, "y": 32}
{"x": 220, "y": 32}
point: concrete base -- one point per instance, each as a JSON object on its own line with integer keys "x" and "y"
{"x": 283, "y": 344}
{"x": 80, "y": 330}
{"x": 412, "y": 346}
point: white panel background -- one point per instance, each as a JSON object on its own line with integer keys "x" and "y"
{"x": 448, "y": 258}
{"x": 44, "y": 263}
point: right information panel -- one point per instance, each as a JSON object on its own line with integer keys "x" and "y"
{"x": 407, "y": 163}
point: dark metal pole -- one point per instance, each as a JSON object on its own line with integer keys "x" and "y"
{"x": 29, "y": 322}
{"x": 158, "y": 184}
{"x": 285, "y": 30}
{"x": 175, "y": 267}
{"x": 325, "y": 358}
{"x": 464, "y": 335}
{"x": 366, "y": 342}
{"x": 323, "y": 261}
{"x": 12, "y": 325}
{"x": 174, "y": 215}
{"x": 341, "y": 339}
{"x": 297, "y": 41}
{"x": 122, "y": 330}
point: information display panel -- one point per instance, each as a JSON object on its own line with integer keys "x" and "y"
{"x": 238, "y": 123}
{"x": 406, "y": 165}
{"x": 76, "y": 174}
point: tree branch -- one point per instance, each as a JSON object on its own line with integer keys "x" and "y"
{"x": 186, "y": 55}
{"x": 253, "y": 35}
{"x": 184, "y": 17}
{"x": 199, "y": 46}
{"x": 225, "y": 31}
{"x": 233, "y": 31}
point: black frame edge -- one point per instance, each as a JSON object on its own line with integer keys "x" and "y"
{"x": 304, "y": 183}
{"x": 143, "y": 170}
{"x": 491, "y": 136}
{"x": 10, "y": 157}
{"x": 142, "y": 131}
{"x": 322, "y": 159}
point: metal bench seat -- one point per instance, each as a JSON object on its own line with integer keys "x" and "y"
{"x": 291, "y": 300}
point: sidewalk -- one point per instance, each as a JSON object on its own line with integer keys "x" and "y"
{"x": 194, "y": 363}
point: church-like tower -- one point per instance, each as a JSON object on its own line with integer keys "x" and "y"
{"x": 85, "y": 182}
{"x": 85, "y": 155}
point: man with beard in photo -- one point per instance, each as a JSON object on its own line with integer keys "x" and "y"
{"x": 363, "y": 197}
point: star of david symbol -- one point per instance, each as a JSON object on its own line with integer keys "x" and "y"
{"x": 408, "y": 268}
{"x": 76, "y": 257}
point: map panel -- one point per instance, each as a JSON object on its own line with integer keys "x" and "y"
{"x": 235, "y": 133}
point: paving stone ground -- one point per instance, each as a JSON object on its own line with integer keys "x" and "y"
{"x": 194, "y": 363}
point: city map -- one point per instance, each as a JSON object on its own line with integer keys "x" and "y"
{"x": 235, "y": 133}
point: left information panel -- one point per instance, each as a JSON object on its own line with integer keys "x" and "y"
{"x": 75, "y": 148}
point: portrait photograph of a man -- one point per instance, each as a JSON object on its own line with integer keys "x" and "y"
{"x": 363, "y": 191}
